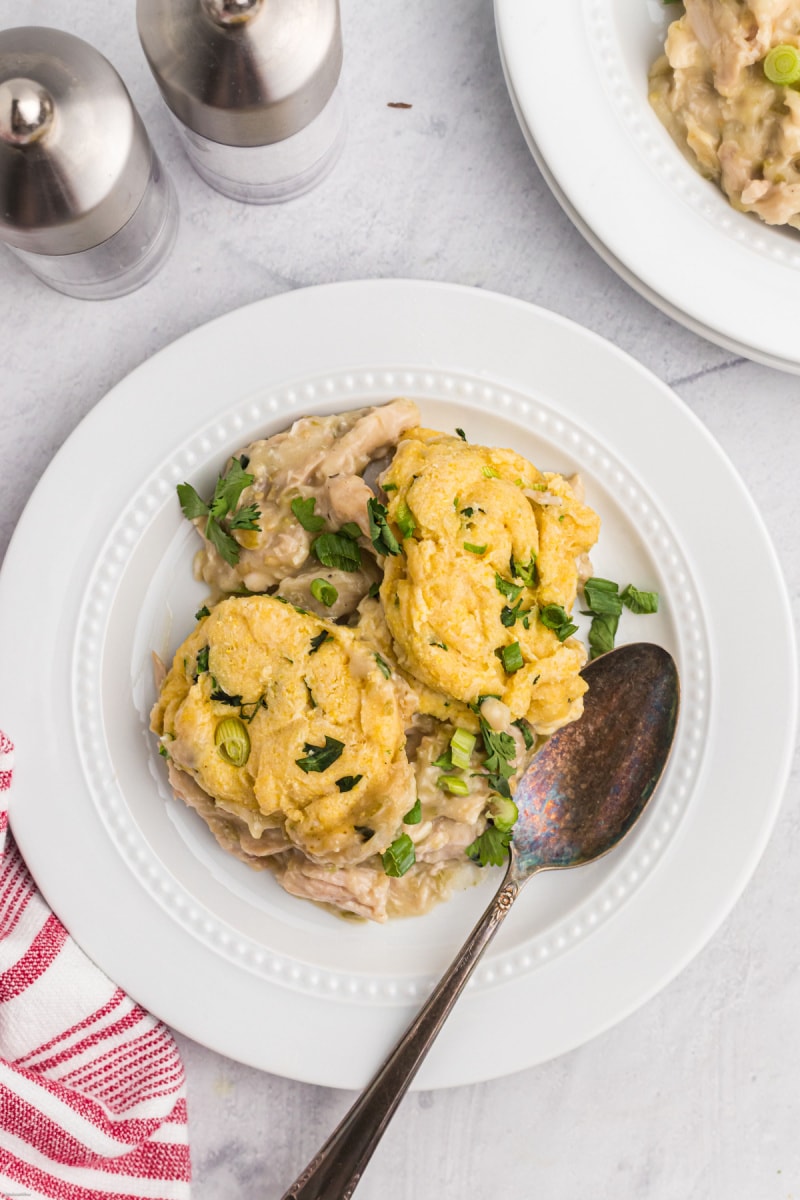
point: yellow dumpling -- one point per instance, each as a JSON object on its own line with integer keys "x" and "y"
{"x": 325, "y": 725}
{"x": 490, "y": 547}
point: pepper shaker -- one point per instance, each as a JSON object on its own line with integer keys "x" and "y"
{"x": 83, "y": 199}
{"x": 254, "y": 88}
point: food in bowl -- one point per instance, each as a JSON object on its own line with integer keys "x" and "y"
{"x": 387, "y": 638}
{"x": 724, "y": 89}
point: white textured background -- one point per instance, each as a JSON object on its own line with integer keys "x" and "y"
{"x": 697, "y": 1095}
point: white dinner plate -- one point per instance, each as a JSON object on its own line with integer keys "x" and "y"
{"x": 219, "y": 951}
{"x": 578, "y": 77}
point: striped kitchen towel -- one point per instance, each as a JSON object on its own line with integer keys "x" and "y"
{"x": 92, "y": 1090}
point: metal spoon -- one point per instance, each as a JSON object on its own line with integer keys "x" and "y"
{"x": 583, "y": 791}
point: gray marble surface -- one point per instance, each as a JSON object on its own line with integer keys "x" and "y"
{"x": 695, "y": 1095}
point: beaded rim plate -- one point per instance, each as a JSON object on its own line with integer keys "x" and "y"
{"x": 183, "y": 919}
{"x": 669, "y": 233}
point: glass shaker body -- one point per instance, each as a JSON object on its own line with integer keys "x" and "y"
{"x": 253, "y": 86}
{"x": 84, "y": 202}
{"x": 277, "y": 171}
{"x": 123, "y": 262}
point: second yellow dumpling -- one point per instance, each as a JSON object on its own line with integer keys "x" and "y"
{"x": 489, "y": 563}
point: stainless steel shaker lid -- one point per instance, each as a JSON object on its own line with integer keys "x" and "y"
{"x": 74, "y": 156}
{"x": 243, "y": 72}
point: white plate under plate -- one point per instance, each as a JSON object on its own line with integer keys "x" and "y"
{"x": 220, "y": 952}
{"x": 578, "y": 77}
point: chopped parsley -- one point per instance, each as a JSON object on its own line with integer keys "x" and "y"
{"x": 334, "y": 550}
{"x": 222, "y": 697}
{"x": 303, "y": 509}
{"x": 253, "y": 706}
{"x": 364, "y": 832}
{"x": 384, "y": 666}
{"x": 555, "y": 617}
{"x": 205, "y": 611}
{"x": 526, "y": 731}
{"x": 399, "y": 857}
{"x": 510, "y": 590}
{"x": 382, "y": 537}
{"x": 202, "y": 660}
{"x": 374, "y": 590}
{"x": 525, "y": 571}
{"x": 220, "y": 516}
{"x": 461, "y": 434}
{"x": 348, "y": 782}
{"x": 319, "y": 640}
{"x": 319, "y": 758}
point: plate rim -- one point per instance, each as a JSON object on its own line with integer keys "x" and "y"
{"x": 395, "y": 298}
{"x": 655, "y": 267}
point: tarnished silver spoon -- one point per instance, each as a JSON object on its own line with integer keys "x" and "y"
{"x": 583, "y": 791}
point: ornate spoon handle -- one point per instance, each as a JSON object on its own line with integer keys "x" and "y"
{"x": 335, "y": 1171}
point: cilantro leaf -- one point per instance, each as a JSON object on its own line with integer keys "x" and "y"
{"x": 227, "y": 546}
{"x": 491, "y": 848}
{"x": 333, "y": 550}
{"x": 192, "y": 505}
{"x": 246, "y": 518}
{"x": 229, "y": 488}
{"x": 303, "y": 509}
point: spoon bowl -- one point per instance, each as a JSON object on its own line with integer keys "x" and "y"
{"x": 581, "y": 794}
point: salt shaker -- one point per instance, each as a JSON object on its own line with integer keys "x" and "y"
{"x": 83, "y": 199}
{"x": 254, "y": 88}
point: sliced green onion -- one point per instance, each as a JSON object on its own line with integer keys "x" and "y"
{"x": 385, "y": 669}
{"x": 232, "y": 741}
{"x": 405, "y": 519}
{"x": 782, "y": 65}
{"x": 639, "y": 602}
{"x": 350, "y": 530}
{"x": 462, "y": 743}
{"x": 453, "y": 784}
{"x": 400, "y": 856}
{"x": 602, "y": 596}
{"x": 511, "y": 657}
{"x": 473, "y": 549}
{"x": 414, "y": 815}
{"x": 202, "y": 660}
{"x": 503, "y": 812}
{"x": 490, "y": 473}
{"x": 324, "y": 591}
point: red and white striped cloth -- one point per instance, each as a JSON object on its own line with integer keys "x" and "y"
{"x": 92, "y": 1090}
